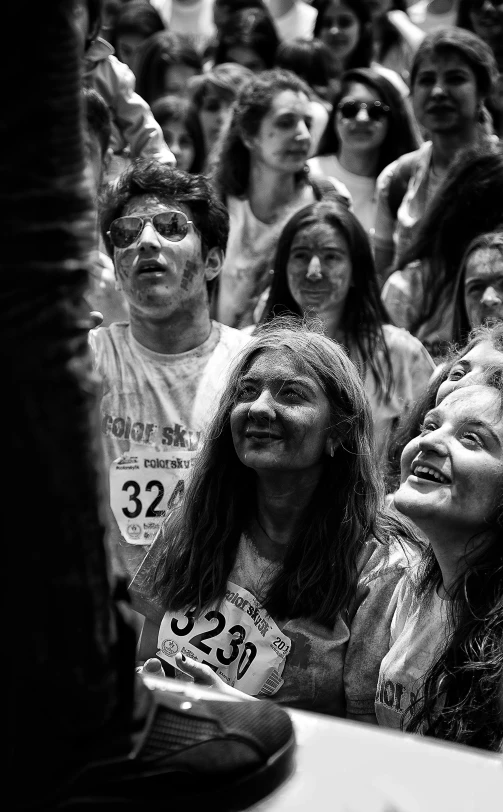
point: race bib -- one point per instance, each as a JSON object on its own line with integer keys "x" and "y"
{"x": 239, "y": 640}
{"x": 144, "y": 485}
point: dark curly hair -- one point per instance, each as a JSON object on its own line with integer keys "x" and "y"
{"x": 159, "y": 52}
{"x": 248, "y": 28}
{"x": 172, "y": 186}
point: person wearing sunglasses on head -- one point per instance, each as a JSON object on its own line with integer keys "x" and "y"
{"x": 368, "y": 128}
{"x": 161, "y": 371}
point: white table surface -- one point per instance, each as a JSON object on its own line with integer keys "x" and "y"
{"x": 344, "y": 766}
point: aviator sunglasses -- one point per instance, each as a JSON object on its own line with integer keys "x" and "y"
{"x": 375, "y": 111}
{"x": 172, "y": 225}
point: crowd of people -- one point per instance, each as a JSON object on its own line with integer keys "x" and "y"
{"x": 299, "y": 278}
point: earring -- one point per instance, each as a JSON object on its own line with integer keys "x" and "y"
{"x": 332, "y": 451}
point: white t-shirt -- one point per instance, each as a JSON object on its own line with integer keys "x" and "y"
{"x": 361, "y": 189}
{"x": 194, "y": 17}
{"x": 421, "y": 16}
{"x": 419, "y": 633}
{"x": 154, "y": 409}
{"x": 297, "y": 22}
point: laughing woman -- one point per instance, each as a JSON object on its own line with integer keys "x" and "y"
{"x": 280, "y": 540}
{"x": 443, "y": 674}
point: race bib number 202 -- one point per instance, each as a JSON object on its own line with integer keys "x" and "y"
{"x": 239, "y": 640}
{"x": 144, "y": 486}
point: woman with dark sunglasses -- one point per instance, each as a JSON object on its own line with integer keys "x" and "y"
{"x": 368, "y": 128}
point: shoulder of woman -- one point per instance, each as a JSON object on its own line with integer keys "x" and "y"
{"x": 379, "y": 559}
{"x": 401, "y": 342}
{"x": 410, "y": 32}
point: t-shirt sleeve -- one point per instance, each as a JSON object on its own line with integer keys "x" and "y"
{"x": 370, "y": 624}
{"x": 385, "y": 219}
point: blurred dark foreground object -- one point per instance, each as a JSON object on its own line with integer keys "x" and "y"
{"x": 77, "y": 708}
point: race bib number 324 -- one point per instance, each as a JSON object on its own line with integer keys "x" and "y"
{"x": 144, "y": 486}
{"x": 238, "y": 639}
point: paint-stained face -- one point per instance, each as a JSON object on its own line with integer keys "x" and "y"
{"x": 484, "y": 286}
{"x": 281, "y": 418}
{"x": 160, "y": 277}
{"x": 319, "y": 269}
{"x": 284, "y": 136}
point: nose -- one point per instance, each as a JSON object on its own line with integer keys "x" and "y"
{"x": 302, "y": 133}
{"x": 438, "y": 89}
{"x": 262, "y": 408}
{"x": 490, "y": 298}
{"x": 313, "y": 272}
{"x": 433, "y": 442}
{"x": 149, "y": 238}
{"x": 362, "y": 114}
{"x": 334, "y": 30}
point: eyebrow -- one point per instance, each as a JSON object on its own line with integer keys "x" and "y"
{"x": 284, "y": 381}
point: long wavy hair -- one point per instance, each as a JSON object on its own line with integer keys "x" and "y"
{"x": 231, "y": 163}
{"x": 468, "y": 675}
{"x": 361, "y": 56}
{"x": 401, "y": 136}
{"x": 461, "y": 324}
{"x": 364, "y": 313}
{"x": 468, "y": 203}
{"x": 319, "y": 571}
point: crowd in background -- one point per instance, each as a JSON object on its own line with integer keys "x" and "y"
{"x": 301, "y": 346}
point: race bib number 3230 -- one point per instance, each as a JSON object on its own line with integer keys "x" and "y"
{"x": 238, "y": 639}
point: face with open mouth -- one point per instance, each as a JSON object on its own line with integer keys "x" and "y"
{"x": 159, "y": 276}
{"x": 281, "y": 417}
{"x": 452, "y": 474}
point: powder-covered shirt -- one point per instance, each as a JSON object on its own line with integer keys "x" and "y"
{"x": 330, "y": 670}
{"x": 419, "y": 633}
{"x": 154, "y": 409}
{"x": 404, "y": 294}
{"x": 361, "y": 189}
{"x": 395, "y": 232}
{"x": 412, "y": 368}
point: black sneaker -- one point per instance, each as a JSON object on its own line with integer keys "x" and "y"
{"x": 224, "y": 754}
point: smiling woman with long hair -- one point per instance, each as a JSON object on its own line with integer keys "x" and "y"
{"x": 443, "y": 674}
{"x": 280, "y": 538}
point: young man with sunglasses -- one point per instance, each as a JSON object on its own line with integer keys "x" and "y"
{"x": 164, "y": 369}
